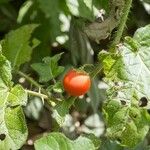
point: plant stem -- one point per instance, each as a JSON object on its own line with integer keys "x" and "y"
{"x": 32, "y": 81}
{"x": 119, "y": 33}
{"x": 37, "y": 94}
{"x": 122, "y": 22}
{"x": 29, "y": 79}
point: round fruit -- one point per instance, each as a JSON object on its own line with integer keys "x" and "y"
{"x": 76, "y": 83}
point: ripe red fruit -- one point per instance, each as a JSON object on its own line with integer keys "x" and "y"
{"x": 76, "y": 83}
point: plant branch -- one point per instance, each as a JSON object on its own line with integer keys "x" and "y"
{"x": 32, "y": 81}
{"x": 45, "y": 94}
{"x": 37, "y": 94}
{"x": 122, "y": 22}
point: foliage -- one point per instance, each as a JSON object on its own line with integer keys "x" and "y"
{"x": 123, "y": 111}
{"x": 59, "y": 141}
{"x": 16, "y": 46}
{"x": 40, "y": 40}
{"x": 49, "y": 69}
{"x": 12, "y": 118}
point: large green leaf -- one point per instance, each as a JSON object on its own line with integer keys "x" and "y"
{"x": 131, "y": 64}
{"x": 17, "y": 45}
{"x": 30, "y": 12}
{"x": 79, "y": 45}
{"x": 128, "y": 74}
{"x": 13, "y": 130}
{"x": 58, "y": 141}
{"x": 49, "y": 69}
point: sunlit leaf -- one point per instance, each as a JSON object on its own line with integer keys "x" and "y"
{"x": 13, "y": 128}
{"x": 128, "y": 74}
{"x": 58, "y": 141}
{"x": 17, "y": 45}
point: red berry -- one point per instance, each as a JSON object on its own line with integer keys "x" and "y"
{"x": 76, "y": 83}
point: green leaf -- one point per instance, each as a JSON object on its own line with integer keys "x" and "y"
{"x": 79, "y": 44}
{"x": 142, "y": 35}
{"x": 110, "y": 145}
{"x": 13, "y": 95}
{"x": 30, "y": 12}
{"x": 95, "y": 95}
{"x": 5, "y": 72}
{"x": 124, "y": 120}
{"x": 57, "y": 87}
{"x": 58, "y": 141}
{"x": 62, "y": 109}
{"x": 16, "y": 45}
{"x": 84, "y": 10}
{"x": 17, "y": 96}
{"x": 121, "y": 68}
{"x": 49, "y": 69}
{"x": 133, "y": 44}
{"x": 102, "y": 4}
{"x": 76, "y": 6}
{"x": 13, "y": 126}
{"x": 12, "y": 121}
{"x": 47, "y": 6}
{"x": 128, "y": 74}
{"x": 24, "y": 10}
{"x": 96, "y": 141}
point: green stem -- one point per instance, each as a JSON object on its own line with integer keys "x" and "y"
{"x": 119, "y": 33}
{"x": 122, "y": 22}
{"x": 32, "y": 81}
{"x": 37, "y": 94}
